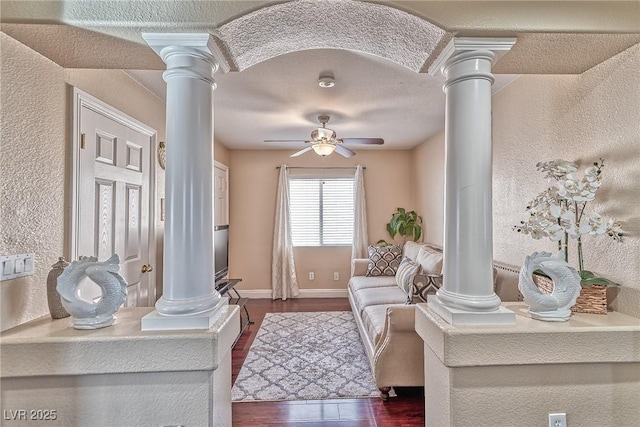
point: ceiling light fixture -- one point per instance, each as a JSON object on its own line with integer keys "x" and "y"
{"x": 323, "y": 148}
{"x": 326, "y": 80}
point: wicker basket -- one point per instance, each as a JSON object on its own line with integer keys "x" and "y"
{"x": 592, "y": 299}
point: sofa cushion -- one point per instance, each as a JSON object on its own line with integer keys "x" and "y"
{"x": 411, "y": 249}
{"x": 404, "y": 276}
{"x": 376, "y": 296}
{"x": 373, "y": 318}
{"x": 384, "y": 260}
{"x": 430, "y": 260}
{"x": 360, "y": 282}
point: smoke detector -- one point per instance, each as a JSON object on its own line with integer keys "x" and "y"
{"x": 326, "y": 80}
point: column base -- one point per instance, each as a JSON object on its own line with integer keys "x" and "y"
{"x": 156, "y": 321}
{"x": 185, "y": 307}
{"x": 470, "y": 303}
{"x": 454, "y": 316}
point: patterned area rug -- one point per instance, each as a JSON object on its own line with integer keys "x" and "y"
{"x": 305, "y": 356}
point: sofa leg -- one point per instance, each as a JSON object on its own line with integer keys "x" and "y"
{"x": 384, "y": 393}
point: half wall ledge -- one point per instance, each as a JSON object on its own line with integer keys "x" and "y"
{"x": 587, "y": 367}
{"x": 119, "y": 375}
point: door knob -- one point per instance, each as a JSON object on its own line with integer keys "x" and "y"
{"x": 146, "y": 268}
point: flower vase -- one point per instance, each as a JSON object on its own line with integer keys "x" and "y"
{"x": 53, "y": 298}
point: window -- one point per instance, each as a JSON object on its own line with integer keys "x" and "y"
{"x": 321, "y": 211}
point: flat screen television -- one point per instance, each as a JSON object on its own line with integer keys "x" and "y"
{"x": 220, "y": 251}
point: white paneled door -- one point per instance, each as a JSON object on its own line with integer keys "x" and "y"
{"x": 113, "y": 197}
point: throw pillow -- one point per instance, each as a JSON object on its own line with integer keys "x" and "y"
{"x": 430, "y": 261}
{"x": 407, "y": 271}
{"x": 425, "y": 285}
{"x": 430, "y": 280}
{"x": 384, "y": 260}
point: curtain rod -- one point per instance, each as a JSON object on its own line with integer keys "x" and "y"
{"x": 321, "y": 167}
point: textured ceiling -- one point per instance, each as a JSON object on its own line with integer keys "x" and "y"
{"x": 339, "y": 24}
{"x": 278, "y": 98}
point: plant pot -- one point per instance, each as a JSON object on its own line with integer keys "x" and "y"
{"x": 592, "y": 299}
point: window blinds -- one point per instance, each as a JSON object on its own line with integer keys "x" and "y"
{"x": 321, "y": 211}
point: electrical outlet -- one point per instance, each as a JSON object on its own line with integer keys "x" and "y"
{"x": 312, "y": 276}
{"x": 558, "y": 420}
{"x": 336, "y": 275}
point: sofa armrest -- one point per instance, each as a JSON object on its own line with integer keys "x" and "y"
{"x": 399, "y": 353}
{"x": 359, "y": 266}
{"x": 401, "y": 318}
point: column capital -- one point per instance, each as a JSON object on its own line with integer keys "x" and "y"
{"x": 498, "y": 46}
{"x": 202, "y": 42}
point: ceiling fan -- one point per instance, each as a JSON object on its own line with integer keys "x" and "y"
{"x": 324, "y": 142}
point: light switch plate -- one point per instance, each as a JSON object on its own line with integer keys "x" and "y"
{"x": 7, "y": 267}
{"x": 14, "y": 266}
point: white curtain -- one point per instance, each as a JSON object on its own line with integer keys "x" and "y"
{"x": 284, "y": 283}
{"x": 360, "y": 238}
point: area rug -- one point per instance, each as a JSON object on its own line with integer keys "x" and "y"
{"x": 305, "y": 356}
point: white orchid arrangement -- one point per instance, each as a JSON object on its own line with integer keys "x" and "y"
{"x": 559, "y": 212}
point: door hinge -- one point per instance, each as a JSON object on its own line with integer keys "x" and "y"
{"x": 83, "y": 137}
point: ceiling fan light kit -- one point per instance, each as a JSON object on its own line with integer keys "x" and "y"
{"x": 324, "y": 141}
{"x": 323, "y": 148}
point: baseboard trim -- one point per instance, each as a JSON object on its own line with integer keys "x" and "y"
{"x": 255, "y": 293}
{"x": 323, "y": 293}
{"x": 304, "y": 293}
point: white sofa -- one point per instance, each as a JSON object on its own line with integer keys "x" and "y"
{"x": 387, "y": 323}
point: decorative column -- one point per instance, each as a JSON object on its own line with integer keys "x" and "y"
{"x": 189, "y": 297}
{"x": 468, "y": 228}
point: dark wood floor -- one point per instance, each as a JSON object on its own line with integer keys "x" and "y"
{"x": 407, "y": 409}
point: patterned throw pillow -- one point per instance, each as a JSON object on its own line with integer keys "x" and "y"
{"x": 425, "y": 284}
{"x": 405, "y": 275}
{"x": 384, "y": 260}
{"x": 429, "y": 280}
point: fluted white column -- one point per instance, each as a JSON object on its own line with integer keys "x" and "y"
{"x": 468, "y": 227}
{"x": 188, "y": 286}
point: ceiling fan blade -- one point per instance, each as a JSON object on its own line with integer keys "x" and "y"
{"x": 298, "y": 153}
{"x": 370, "y": 141}
{"x": 344, "y": 151}
{"x": 269, "y": 141}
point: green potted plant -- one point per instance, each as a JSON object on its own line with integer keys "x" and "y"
{"x": 407, "y": 224}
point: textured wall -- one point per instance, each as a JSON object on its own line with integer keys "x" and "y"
{"x": 253, "y": 186}
{"x": 428, "y": 176}
{"x": 34, "y": 162}
{"x": 579, "y": 118}
{"x": 32, "y": 173}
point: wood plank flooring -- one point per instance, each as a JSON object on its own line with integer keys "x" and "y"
{"x": 406, "y": 410}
